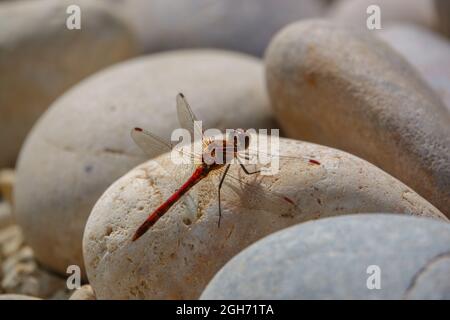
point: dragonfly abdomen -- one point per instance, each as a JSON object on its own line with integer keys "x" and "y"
{"x": 198, "y": 174}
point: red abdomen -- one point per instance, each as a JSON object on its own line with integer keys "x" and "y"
{"x": 198, "y": 174}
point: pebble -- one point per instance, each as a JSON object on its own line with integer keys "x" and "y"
{"x": 354, "y": 12}
{"x": 21, "y": 274}
{"x": 347, "y": 89}
{"x": 84, "y": 293}
{"x": 11, "y": 240}
{"x": 83, "y": 144}
{"x": 433, "y": 64}
{"x": 40, "y": 59}
{"x": 7, "y": 180}
{"x": 245, "y": 27}
{"x": 63, "y": 293}
{"x": 341, "y": 258}
{"x": 19, "y": 271}
{"x": 443, "y": 11}
{"x": 178, "y": 256}
{"x": 16, "y": 297}
{"x": 6, "y": 218}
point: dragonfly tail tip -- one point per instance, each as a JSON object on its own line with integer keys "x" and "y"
{"x": 135, "y": 237}
{"x": 137, "y": 234}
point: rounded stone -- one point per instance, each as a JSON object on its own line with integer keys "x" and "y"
{"x": 433, "y": 64}
{"x": 246, "y": 26}
{"x": 354, "y": 12}
{"x": 6, "y": 218}
{"x": 176, "y": 257}
{"x": 340, "y": 87}
{"x": 40, "y": 59}
{"x": 22, "y": 275}
{"x": 83, "y": 144}
{"x": 443, "y": 12}
{"x": 432, "y": 282}
{"x": 16, "y": 297}
{"x": 351, "y": 257}
{"x": 83, "y": 293}
{"x": 7, "y": 180}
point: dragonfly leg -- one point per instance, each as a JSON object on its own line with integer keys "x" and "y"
{"x": 245, "y": 169}
{"x": 222, "y": 179}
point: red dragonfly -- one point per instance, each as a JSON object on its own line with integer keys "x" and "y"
{"x": 214, "y": 158}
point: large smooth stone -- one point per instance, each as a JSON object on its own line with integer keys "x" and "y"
{"x": 16, "y": 297}
{"x": 329, "y": 259}
{"x": 245, "y": 26}
{"x": 83, "y": 293}
{"x": 83, "y": 144}
{"x": 40, "y": 59}
{"x": 179, "y": 255}
{"x": 20, "y": 272}
{"x": 432, "y": 63}
{"x": 7, "y": 181}
{"x": 336, "y": 86}
{"x": 354, "y": 12}
{"x": 6, "y": 218}
{"x": 443, "y": 12}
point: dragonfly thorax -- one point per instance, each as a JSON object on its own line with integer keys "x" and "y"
{"x": 218, "y": 152}
{"x": 223, "y": 151}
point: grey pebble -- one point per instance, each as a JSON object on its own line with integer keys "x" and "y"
{"x": 329, "y": 259}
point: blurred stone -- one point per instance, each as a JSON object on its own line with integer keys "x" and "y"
{"x": 432, "y": 63}
{"x": 344, "y": 88}
{"x": 22, "y": 275}
{"x": 443, "y": 11}
{"x": 16, "y": 297}
{"x": 7, "y": 180}
{"x": 61, "y": 294}
{"x": 354, "y": 12}
{"x": 6, "y": 217}
{"x": 245, "y": 25}
{"x": 345, "y": 257}
{"x": 40, "y": 58}
{"x": 11, "y": 240}
{"x": 24, "y": 255}
{"x": 84, "y": 293}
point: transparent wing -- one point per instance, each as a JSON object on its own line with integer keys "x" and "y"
{"x": 253, "y": 155}
{"x": 263, "y": 151}
{"x": 151, "y": 144}
{"x": 187, "y": 118}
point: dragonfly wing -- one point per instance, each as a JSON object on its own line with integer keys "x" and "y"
{"x": 151, "y": 144}
{"x": 187, "y": 118}
{"x": 256, "y": 154}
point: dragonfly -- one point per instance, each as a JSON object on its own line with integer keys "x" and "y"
{"x": 215, "y": 157}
